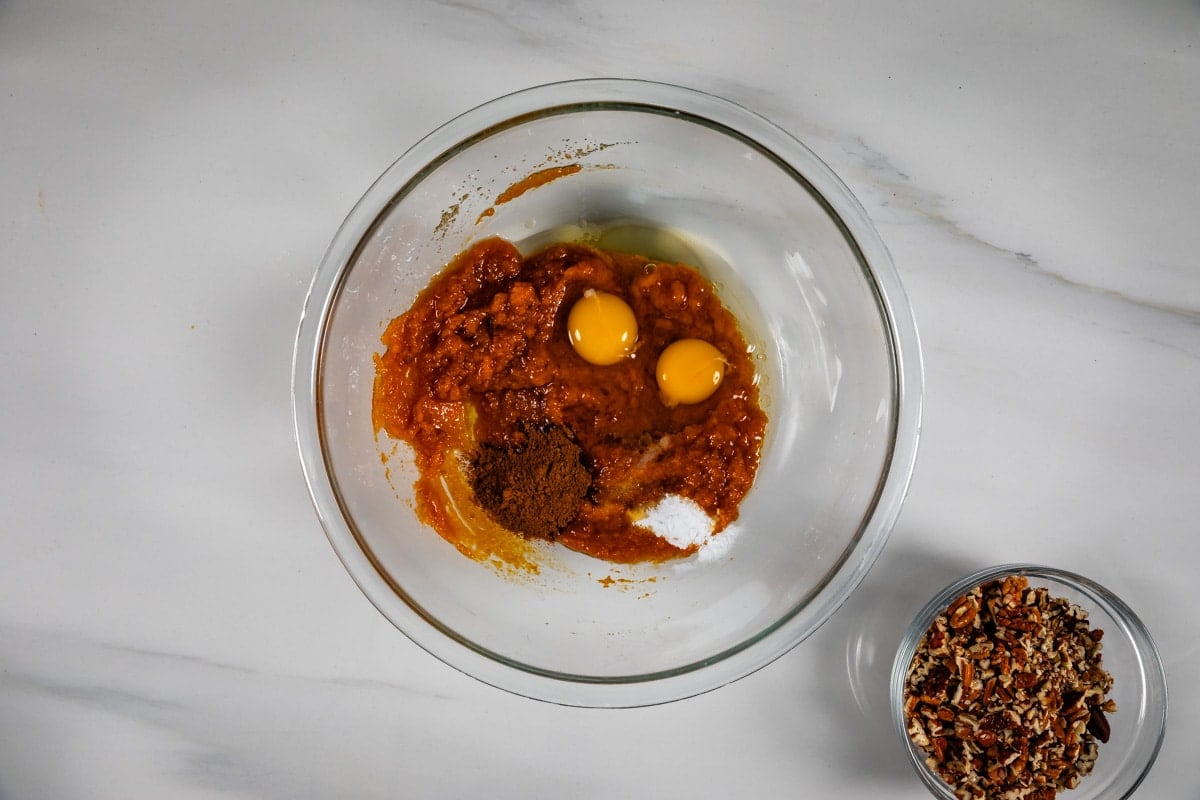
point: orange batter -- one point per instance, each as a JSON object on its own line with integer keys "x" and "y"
{"x": 484, "y": 351}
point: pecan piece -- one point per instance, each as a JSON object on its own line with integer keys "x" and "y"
{"x": 1098, "y": 724}
{"x": 1026, "y": 680}
{"x": 962, "y": 612}
{"x": 1018, "y": 619}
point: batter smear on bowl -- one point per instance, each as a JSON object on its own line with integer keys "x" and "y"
{"x": 482, "y": 377}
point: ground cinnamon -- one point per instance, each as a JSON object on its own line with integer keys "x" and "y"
{"x": 535, "y": 487}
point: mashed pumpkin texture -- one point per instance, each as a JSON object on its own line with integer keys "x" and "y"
{"x": 484, "y": 354}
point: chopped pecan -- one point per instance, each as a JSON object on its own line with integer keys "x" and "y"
{"x": 1010, "y": 686}
{"x": 1098, "y": 724}
{"x": 1018, "y": 619}
{"x": 1026, "y": 680}
{"x": 938, "y": 745}
{"x": 962, "y": 612}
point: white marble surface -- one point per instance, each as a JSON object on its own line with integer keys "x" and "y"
{"x": 173, "y": 622}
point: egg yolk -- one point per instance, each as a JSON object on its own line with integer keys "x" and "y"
{"x": 689, "y": 371}
{"x": 602, "y": 328}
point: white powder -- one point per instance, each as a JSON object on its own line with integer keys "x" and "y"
{"x": 718, "y": 546}
{"x": 679, "y": 520}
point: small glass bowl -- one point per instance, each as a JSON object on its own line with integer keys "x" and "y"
{"x": 1129, "y": 655}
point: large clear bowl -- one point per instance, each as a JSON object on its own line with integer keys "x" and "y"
{"x": 793, "y": 255}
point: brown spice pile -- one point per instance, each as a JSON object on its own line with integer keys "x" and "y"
{"x": 534, "y": 487}
{"x": 1007, "y": 694}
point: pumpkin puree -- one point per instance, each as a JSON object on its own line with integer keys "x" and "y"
{"x": 483, "y": 354}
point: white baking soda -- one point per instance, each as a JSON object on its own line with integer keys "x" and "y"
{"x": 679, "y": 521}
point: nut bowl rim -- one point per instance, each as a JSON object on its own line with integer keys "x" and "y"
{"x": 1152, "y": 716}
{"x": 896, "y": 313}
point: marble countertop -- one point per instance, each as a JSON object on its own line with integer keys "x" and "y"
{"x": 173, "y": 622}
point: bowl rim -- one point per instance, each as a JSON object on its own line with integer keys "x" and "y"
{"x": 762, "y": 647}
{"x": 1154, "y": 680}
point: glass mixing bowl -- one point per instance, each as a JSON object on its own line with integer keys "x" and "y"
{"x": 1128, "y": 654}
{"x": 677, "y": 175}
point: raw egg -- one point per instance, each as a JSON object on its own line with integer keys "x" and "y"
{"x": 602, "y": 328}
{"x": 689, "y": 371}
